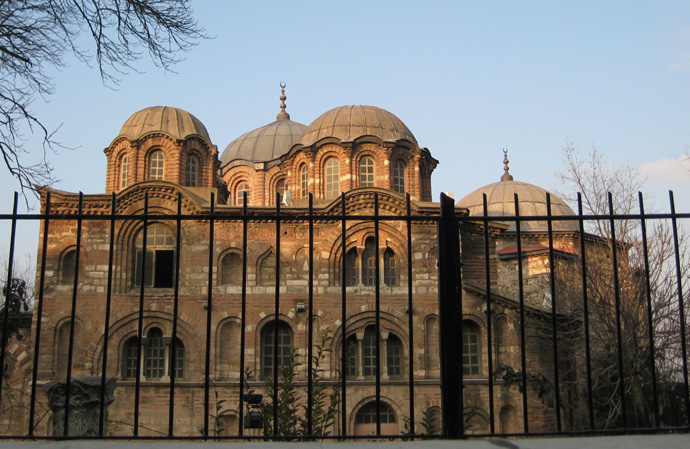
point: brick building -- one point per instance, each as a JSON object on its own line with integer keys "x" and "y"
{"x": 164, "y": 159}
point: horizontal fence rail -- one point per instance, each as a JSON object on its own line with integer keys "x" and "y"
{"x": 355, "y": 319}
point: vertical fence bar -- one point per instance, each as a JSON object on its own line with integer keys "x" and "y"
{"x": 6, "y": 314}
{"x": 343, "y": 316}
{"x": 489, "y": 317}
{"x": 650, "y": 324}
{"x": 209, "y": 314}
{"x": 243, "y": 318}
{"x": 39, "y": 317}
{"x": 140, "y": 329}
{"x": 521, "y": 296}
{"x": 108, "y": 301}
{"x": 617, "y": 300}
{"x": 176, "y": 302}
{"x": 377, "y": 312}
{"x": 310, "y": 322}
{"x": 585, "y": 311}
{"x": 450, "y": 320}
{"x": 276, "y": 321}
{"x": 73, "y": 314}
{"x": 410, "y": 310}
{"x": 554, "y": 318}
{"x": 681, "y": 306}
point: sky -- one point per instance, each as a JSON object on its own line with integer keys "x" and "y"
{"x": 468, "y": 78}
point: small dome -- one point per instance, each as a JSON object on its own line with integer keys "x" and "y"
{"x": 177, "y": 123}
{"x": 264, "y": 144}
{"x": 347, "y": 123}
{"x": 500, "y": 202}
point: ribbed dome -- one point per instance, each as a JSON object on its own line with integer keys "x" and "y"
{"x": 264, "y": 144}
{"x": 500, "y": 198}
{"x": 177, "y": 123}
{"x": 347, "y": 123}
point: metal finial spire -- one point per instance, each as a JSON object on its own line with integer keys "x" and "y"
{"x": 282, "y": 115}
{"x": 506, "y": 176}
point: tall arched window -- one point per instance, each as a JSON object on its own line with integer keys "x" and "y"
{"x": 332, "y": 184}
{"x": 281, "y": 186}
{"x": 160, "y": 258}
{"x": 129, "y": 359}
{"x": 394, "y": 356}
{"x": 369, "y": 352}
{"x": 399, "y": 176}
{"x": 369, "y": 263}
{"x": 304, "y": 181}
{"x": 268, "y": 346}
{"x": 68, "y": 266}
{"x": 351, "y": 351}
{"x": 192, "y": 171}
{"x": 154, "y": 356}
{"x": 231, "y": 269}
{"x": 239, "y": 193}
{"x": 366, "y": 172}
{"x": 471, "y": 361}
{"x": 390, "y": 268}
{"x": 156, "y": 165}
{"x": 351, "y": 268}
{"x": 178, "y": 359}
{"x": 124, "y": 171}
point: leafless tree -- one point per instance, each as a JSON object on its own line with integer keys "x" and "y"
{"x": 35, "y": 37}
{"x": 594, "y": 177}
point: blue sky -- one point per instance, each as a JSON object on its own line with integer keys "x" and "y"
{"x": 468, "y": 78}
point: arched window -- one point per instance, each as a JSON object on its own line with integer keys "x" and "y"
{"x": 68, "y": 266}
{"x": 304, "y": 181}
{"x": 62, "y": 349}
{"x": 351, "y": 268}
{"x": 281, "y": 186}
{"x": 369, "y": 352}
{"x": 124, "y": 171}
{"x": 367, "y": 414}
{"x": 399, "y": 176}
{"x": 332, "y": 184}
{"x": 471, "y": 361}
{"x": 508, "y": 420}
{"x": 366, "y": 418}
{"x": 390, "y": 268}
{"x": 156, "y": 353}
{"x": 178, "y": 359}
{"x": 369, "y": 263}
{"x": 394, "y": 356}
{"x": 154, "y": 356}
{"x": 192, "y": 171}
{"x": 231, "y": 269}
{"x": 156, "y": 165}
{"x": 366, "y": 172}
{"x": 129, "y": 359}
{"x": 351, "y": 352}
{"x": 268, "y": 346}
{"x": 239, "y": 193}
{"x": 160, "y": 258}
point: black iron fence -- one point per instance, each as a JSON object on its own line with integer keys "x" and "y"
{"x": 333, "y": 321}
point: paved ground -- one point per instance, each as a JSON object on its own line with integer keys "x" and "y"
{"x": 613, "y": 442}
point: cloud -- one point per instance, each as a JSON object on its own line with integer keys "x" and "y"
{"x": 667, "y": 171}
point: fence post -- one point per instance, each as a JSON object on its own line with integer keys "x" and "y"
{"x": 450, "y": 319}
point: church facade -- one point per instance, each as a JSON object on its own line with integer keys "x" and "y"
{"x": 182, "y": 301}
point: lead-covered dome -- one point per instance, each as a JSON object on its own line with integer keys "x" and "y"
{"x": 264, "y": 144}
{"x": 500, "y": 198}
{"x": 347, "y": 123}
{"x": 175, "y": 122}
